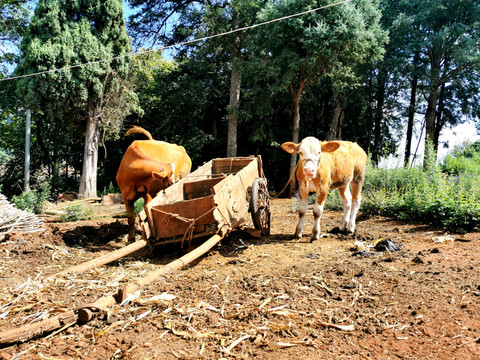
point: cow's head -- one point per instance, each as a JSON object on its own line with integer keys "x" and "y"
{"x": 310, "y": 151}
{"x": 166, "y": 174}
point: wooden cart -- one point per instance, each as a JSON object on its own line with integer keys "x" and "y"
{"x": 214, "y": 199}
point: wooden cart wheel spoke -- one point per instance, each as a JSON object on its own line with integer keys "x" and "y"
{"x": 260, "y": 206}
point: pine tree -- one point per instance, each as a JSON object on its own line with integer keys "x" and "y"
{"x": 63, "y": 34}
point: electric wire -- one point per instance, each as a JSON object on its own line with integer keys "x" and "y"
{"x": 178, "y": 44}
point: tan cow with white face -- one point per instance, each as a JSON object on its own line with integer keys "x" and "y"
{"x": 324, "y": 166}
{"x": 148, "y": 167}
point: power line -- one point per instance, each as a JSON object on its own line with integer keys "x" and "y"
{"x": 179, "y": 44}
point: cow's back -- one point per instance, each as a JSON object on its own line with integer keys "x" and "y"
{"x": 144, "y": 151}
{"x": 344, "y": 164}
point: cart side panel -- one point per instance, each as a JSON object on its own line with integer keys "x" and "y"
{"x": 175, "y": 219}
{"x": 232, "y": 196}
{"x": 171, "y": 194}
{"x": 200, "y": 188}
{"x": 229, "y": 165}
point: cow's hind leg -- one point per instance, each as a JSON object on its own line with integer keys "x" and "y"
{"x": 302, "y": 211}
{"x": 347, "y": 206}
{"x": 356, "y": 200}
{"x": 317, "y": 214}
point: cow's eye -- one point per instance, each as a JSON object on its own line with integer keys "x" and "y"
{"x": 300, "y": 153}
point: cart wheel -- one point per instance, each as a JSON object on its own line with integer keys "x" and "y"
{"x": 260, "y": 206}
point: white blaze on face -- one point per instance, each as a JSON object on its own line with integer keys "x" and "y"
{"x": 310, "y": 151}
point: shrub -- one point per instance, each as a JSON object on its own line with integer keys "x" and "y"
{"x": 33, "y": 200}
{"x": 451, "y": 202}
{"x": 110, "y": 189}
{"x": 76, "y": 212}
{"x": 139, "y": 205}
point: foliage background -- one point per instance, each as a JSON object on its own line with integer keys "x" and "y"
{"x": 183, "y": 98}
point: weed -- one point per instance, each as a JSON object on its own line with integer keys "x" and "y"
{"x": 33, "y": 200}
{"x": 76, "y": 212}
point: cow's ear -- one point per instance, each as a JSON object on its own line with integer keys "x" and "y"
{"x": 165, "y": 172}
{"x": 162, "y": 174}
{"x": 290, "y": 147}
{"x": 330, "y": 146}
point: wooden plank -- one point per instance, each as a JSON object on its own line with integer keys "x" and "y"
{"x": 200, "y": 188}
{"x": 174, "y": 219}
{"x": 231, "y": 198}
{"x": 230, "y": 165}
{"x": 171, "y": 194}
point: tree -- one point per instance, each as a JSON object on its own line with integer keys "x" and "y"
{"x": 13, "y": 22}
{"x": 63, "y": 34}
{"x": 448, "y": 36}
{"x": 307, "y": 47}
{"x": 196, "y": 19}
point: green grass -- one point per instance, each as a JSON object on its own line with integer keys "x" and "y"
{"x": 446, "y": 196}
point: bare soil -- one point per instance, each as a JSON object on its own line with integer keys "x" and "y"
{"x": 267, "y": 298}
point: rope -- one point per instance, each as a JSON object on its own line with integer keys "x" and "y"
{"x": 288, "y": 182}
{"x": 191, "y": 223}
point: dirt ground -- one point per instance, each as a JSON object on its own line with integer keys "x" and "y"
{"x": 268, "y": 298}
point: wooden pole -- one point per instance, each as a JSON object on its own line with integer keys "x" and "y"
{"x": 105, "y": 259}
{"x": 28, "y": 332}
{"x": 26, "y": 182}
{"x": 87, "y": 312}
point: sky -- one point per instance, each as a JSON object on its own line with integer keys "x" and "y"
{"x": 456, "y": 136}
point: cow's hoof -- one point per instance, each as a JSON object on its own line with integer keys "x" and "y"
{"x": 297, "y": 238}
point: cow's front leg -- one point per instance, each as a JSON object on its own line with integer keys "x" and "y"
{"x": 347, "y": 206}
{"x": 130, "y": 207}
{"x": 302, "y": 211}
{"x": 317, "y": 214}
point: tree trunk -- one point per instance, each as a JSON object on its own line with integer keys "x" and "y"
{"x": 370, "y": 113}
{"x": 88, "y": 183}
{"x": 378, "y": 117}
{"x": 295, "y": 136}
{"x": 430, "y": 123}
{"x": 439, "y": 118}
{"x": 235, "y": 85}
{"x": 28, "y": 135}
{"x": 337, "y": 119}
{"x": 411, "y": 112}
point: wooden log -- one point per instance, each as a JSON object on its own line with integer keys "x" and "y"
{"x": 87, "y": 312}
{"x": 105, "y": 259}
{"x": 54, "y": 212}
{"x": 28, "y": 332}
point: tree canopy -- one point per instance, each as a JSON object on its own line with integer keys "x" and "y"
{"x": 333, "y": 70}
{"x": 61, "y": 35}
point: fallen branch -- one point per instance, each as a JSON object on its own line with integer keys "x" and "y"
{"x": 13, "y": 219}
{"x": 477, "y": 340}
{"x": 28, "y": 332}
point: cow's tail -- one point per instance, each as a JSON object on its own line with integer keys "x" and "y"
{"x": 138, "y": 129}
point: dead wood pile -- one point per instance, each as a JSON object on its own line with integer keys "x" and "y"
{"x": 13, "y": 219}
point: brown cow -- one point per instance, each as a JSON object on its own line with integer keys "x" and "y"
{"x": 328, "y": 165}
{"x": 147, "y": 167}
